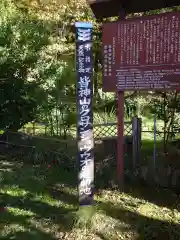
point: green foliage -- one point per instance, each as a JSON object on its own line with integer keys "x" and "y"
{"x": 21, "y": 40}
{"x": 36, "y": 80}
{"x": 166, "y": 106}
{"x": 37, "y": 70}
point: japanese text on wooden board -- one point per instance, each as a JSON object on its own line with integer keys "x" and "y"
{"x": 85, "y": 115}
{"x": 147, "y": 53}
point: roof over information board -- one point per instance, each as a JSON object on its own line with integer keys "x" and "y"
{"x": 111, "y": 8}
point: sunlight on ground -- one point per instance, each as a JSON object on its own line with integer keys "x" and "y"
{"x": 37, "y": 211}
{"x": 13, "y": 190}
{"x": 20, "y": 212}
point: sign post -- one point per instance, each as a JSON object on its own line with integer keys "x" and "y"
{"x": 85, "y": 138}
{"x": 120, "y": 127}
{"x": 120, "y": 138}
{"x": 140, "y": 54}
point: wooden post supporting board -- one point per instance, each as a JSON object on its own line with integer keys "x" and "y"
{"x": 120, "y": 119}
{"x": 120, "y": 138}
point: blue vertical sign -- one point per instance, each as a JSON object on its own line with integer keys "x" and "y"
{"x": 84, "y": 68}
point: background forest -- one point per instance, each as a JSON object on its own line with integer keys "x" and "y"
{"x": 37, "y": 71}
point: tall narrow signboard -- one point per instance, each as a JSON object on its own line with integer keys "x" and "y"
{"x": 85, "y": 138}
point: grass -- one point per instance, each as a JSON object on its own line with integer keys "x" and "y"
{"x": 41, "y": 203}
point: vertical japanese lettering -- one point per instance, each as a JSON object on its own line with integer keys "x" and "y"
{"x": 84, "y": 112}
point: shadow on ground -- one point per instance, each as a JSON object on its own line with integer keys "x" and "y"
{"x": 159, "y": 196}
{"x": 145, "y": 227}
{"x": 165, "y": 201}
{"x": 42, "y": 199}
{"x": 36, "y": 199}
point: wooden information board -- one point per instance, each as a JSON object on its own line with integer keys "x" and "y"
{"x": 142, "y": 53}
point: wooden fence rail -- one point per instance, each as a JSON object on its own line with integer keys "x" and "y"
{"x": 107, "y": 130}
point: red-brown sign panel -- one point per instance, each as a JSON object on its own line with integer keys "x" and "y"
{"x": 142, "y": 53}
